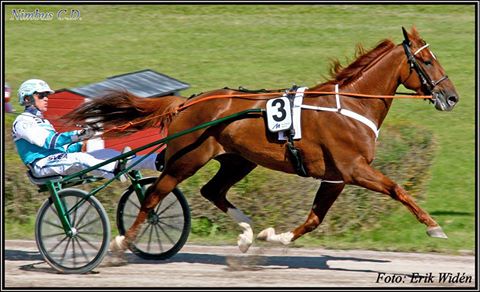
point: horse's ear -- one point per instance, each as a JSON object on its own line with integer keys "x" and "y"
{"x": 414, "y": 33}
{"x": 405, "y": 35}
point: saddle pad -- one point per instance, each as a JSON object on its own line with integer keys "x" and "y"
{"x": 296, "y": 115}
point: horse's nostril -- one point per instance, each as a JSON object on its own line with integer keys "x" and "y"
{"x": 452, "y": 100}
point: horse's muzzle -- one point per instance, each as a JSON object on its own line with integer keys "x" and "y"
{"x": 444, "y": 101}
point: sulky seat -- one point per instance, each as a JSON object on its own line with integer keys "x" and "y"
{"x": 43, "y": 180}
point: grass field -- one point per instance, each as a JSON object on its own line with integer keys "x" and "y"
{"x": 271, "y": 46}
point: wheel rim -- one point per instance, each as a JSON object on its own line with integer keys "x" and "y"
{"x": 163, "y": 227}
{"x": 78, "y": 249}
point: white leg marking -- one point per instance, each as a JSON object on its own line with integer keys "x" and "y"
{"x": 245, "y": 239}
{"x": 270, "y": 236}
{"x": 116, "y": 245}
{"x": 266, "y": 233}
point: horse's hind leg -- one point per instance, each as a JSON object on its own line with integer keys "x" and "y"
{"x": 183, "y": 166}
{"x": 156, "y": 192}
{"x": 366, "y": 176}
{"x": 232, "y": 169}
{"x": 324, "y": 199}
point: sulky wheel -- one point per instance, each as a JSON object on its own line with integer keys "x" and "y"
{"x": 167, "y": 226}
{"x": 83, "y": 249}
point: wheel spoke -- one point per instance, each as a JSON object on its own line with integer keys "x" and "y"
{"x": 87, "y": 242}
{"x": 171, "y": 226}
{"x": 129, "y": 215}
{"x": 158, "y": 238}
{"x": 52, "y": 207}
{"x": 58, "y": 244}
{"x": 150, "y": 237}
{"x": 171, "y": 216}
{"x": 91, "y": 233}
{"x": 88, "y": 223}
{"x": 75, "y": 213}
{"x": 167, "y": 207}
{"x": 158, "y": 207}
{"x": 83, "y": 215}
{"x": 134, "y": 203}
{"x": 81, "y": 249}
{"x": 53, "y": 235}
{"x": 65, "y": 250}
{"x": 166, "y": 234}
{"x": 53, "y": 224}
{"x": 74, "y": 256}
{"x": 143, "y": 232}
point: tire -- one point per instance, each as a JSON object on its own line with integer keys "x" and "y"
{"x": 166, "y": 229}
{"x": 84, "y": 251}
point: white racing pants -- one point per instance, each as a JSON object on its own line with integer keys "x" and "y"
{"x": 69, "y": 163}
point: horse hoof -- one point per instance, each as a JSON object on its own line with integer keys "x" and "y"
{"x": 245, "y": 239}
{"x": 436, "y": 232}
{"x": 116, "y": 245}
{"x": 270, "y": 236}
{"x": 266, "y": 233}
{"x": 244, "y": 243}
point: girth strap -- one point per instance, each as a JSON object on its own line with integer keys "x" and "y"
{"x": 296, "y": 158}
{"x": 295, "y": 155}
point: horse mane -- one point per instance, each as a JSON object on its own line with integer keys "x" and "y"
{"x": 343, "y": 76}
{"x": 118, "y": 108}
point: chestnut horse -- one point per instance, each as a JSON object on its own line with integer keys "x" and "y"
{"x": 336, "y": 147}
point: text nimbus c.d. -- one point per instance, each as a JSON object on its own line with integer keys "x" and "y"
{"x": 38, "y": 15}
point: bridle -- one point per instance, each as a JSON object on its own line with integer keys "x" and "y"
{"x": 427, "y": 82}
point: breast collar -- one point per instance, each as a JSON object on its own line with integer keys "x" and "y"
{"x": 345, "y": 112}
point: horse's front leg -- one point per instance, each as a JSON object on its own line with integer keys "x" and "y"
{"x": 326, "y": 195}
{"x": 366, "y": 176}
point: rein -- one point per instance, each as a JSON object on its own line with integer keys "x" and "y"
{"x": 252, "y": 96}
{"x": 246, "y": 96}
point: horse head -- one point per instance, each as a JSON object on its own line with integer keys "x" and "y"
{"x": 424, "y": 73}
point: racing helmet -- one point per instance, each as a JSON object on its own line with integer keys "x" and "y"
{"x": 31, "y": 86}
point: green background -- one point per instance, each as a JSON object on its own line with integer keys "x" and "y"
{"x": 263, "y": 46}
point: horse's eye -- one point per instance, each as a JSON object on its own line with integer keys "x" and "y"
{"x": 427, "y": 62}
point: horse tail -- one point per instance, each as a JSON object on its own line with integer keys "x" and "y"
{"x": 119, "y": 112}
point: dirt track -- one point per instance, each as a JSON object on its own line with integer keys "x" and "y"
{"x": 225, "y": 266}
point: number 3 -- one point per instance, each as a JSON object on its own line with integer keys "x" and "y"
{"x": 280, "y": 116}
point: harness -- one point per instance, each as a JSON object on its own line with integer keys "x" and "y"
{"x": 295, "y": 98}
{"x": 345, "y": 112}
{"x": 427, "y": 82}
{"x": 425, "y": 79}
{"x": 294, "y": 152}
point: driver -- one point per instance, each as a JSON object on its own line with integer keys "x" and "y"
{"x": 47, "y": 152}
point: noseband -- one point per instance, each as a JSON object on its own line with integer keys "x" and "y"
{"x": 427, "y": 82}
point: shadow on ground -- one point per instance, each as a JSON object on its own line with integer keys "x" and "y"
{"x": 231, "y": 263}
